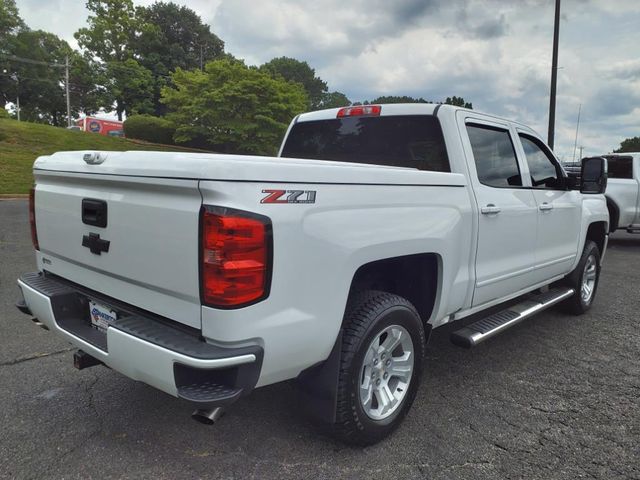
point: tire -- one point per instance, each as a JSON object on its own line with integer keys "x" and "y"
{"x": 372, "y": 318}
{"x": 589, "y": 266}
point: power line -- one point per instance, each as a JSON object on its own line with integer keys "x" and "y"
{"x": 31, "y": 61}
{"x": 48, "y": 80}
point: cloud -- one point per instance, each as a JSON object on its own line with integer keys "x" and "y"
{"x": 494, "y": 53}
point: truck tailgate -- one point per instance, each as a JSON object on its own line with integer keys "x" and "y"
{"x": 151, "y": 227}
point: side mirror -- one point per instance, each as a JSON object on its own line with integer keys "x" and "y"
{"x": 593, "y": 176}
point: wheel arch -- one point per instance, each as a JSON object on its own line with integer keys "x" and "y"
{"x": 597, "y": 232}
{"x": 414, "y": 277}
{"x": 407, "y": 276}
{"x": 614, "y": 214}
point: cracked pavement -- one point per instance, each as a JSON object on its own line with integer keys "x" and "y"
{"x": 557, "y": 397}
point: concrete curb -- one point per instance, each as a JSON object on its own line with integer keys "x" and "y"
{"x": 14, "y": 196}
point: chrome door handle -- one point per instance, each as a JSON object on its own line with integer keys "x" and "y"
{"x": 490, "y": 209}
{"x": 546, "y": 206}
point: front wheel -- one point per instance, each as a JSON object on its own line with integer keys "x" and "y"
{"x": 584, "y": 280}
{"x": 381, "y": 363}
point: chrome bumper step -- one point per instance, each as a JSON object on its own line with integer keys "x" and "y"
{"x": 487, "y": 327}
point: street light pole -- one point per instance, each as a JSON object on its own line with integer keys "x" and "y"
{"x": 66, "y": 82}
{"x": 554, "y": 77}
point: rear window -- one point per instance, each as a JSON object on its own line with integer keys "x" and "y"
{"x": 619, "y": 167}
{"x": 402, "y": 141}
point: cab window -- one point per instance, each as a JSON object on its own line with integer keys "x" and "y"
{"x": 495, "y": 157}
{"x": 544, "y": 170}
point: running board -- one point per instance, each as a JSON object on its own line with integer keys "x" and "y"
{"x": 483, "y": 329}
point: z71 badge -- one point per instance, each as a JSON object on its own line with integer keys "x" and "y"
{"x": 289, "y": 196}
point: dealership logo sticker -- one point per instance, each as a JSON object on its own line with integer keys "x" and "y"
{"x": 289, "y": 196}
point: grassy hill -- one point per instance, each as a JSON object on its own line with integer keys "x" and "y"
{"x": 22, "y": 142}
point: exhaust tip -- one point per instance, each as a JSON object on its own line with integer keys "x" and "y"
{"x": 207, "y": 416}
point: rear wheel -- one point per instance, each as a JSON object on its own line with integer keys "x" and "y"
{"x": 381, "y": 363}
{"x": 584, "y": 280}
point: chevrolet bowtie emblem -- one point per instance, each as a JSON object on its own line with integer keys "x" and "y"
{"x": 95, "y": 244}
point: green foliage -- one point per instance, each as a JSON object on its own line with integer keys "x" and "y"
{"x": 10, "y": 21}
{"x": 293, "y": 70}
{"x": 40, "y": 85}
{"x": 173, "y": 37}
{"x": 629, "y": 145}
{"x": 399, "y": 99}
{"x": 334, "y": 100}
{"x": 112, "y": 24}
{"x": 234, "y": 108}
{"x": 149, "y": 128}
{"x": 22, "y": 142}
{"x": 4, "y": 114}
{"x": 458, "y": 102}
{"x": 110, "y": 37}
{"x": 176, "y": 37}
{"x": 131, "y": 85}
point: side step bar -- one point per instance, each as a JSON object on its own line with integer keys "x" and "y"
{"x": 483, "y": 329}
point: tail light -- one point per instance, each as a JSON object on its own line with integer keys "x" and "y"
{"x": 32, "y": 218}
{"x": 236, "y": 252}
{"x": 360, "y": 111}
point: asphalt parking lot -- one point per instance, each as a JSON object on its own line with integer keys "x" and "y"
{"x": 556, "y": 397}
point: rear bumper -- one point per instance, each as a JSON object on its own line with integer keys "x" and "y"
{"x": 142, "y": 347}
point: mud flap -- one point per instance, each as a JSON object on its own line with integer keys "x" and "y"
{"x": 318, "y": 386}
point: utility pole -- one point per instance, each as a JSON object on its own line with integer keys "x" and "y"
{"x": 66, "y": 76}
{"x": 554, "y": 77}
{"x": 581, "y": 148}
{"x": 17, "y": 79}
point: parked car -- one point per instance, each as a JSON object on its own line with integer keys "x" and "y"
{"x": 207, "y": 276}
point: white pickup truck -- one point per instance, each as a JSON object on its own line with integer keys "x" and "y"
{"x": 206, "y": 276}
{"x": 623, "y": 190}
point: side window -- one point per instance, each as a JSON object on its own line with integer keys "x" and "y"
{"x": 495, "y": 156}
{"x": 545, "y": 171}
{"x": 620, "y": 167}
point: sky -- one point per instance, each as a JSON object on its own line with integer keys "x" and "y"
{"x": 494, "y": 53}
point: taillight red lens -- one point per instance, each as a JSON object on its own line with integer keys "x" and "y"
{"x": 235, "y": 257}
{"x": 360, "y": 111}
{"x": 32, "y": 218}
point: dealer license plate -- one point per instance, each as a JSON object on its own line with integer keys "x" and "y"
{"x": 101, "y": 316}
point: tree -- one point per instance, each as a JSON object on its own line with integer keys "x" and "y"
{"x": 231, "y": 107}
{"x": 173, "y": 37}
{"x": 39, "y": 82}
{"x": 10, "y": 25}
{"x": 458, "y": 102}
{"x": 112, "y": 25}
{"x": 293, "y": 70}
{"x": 132, "y": 86}
{"x": 334, "y": 100}
{"x": 176, "y": 37}
{"x": 629, "y": 145}
{"x": 112, "y": 32}
{"x": 10, "y": 21}
{"x": 399, "y": 99}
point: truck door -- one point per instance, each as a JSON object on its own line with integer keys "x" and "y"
{"x": 506, "y": 208}
{"x": 559, "y": 210}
